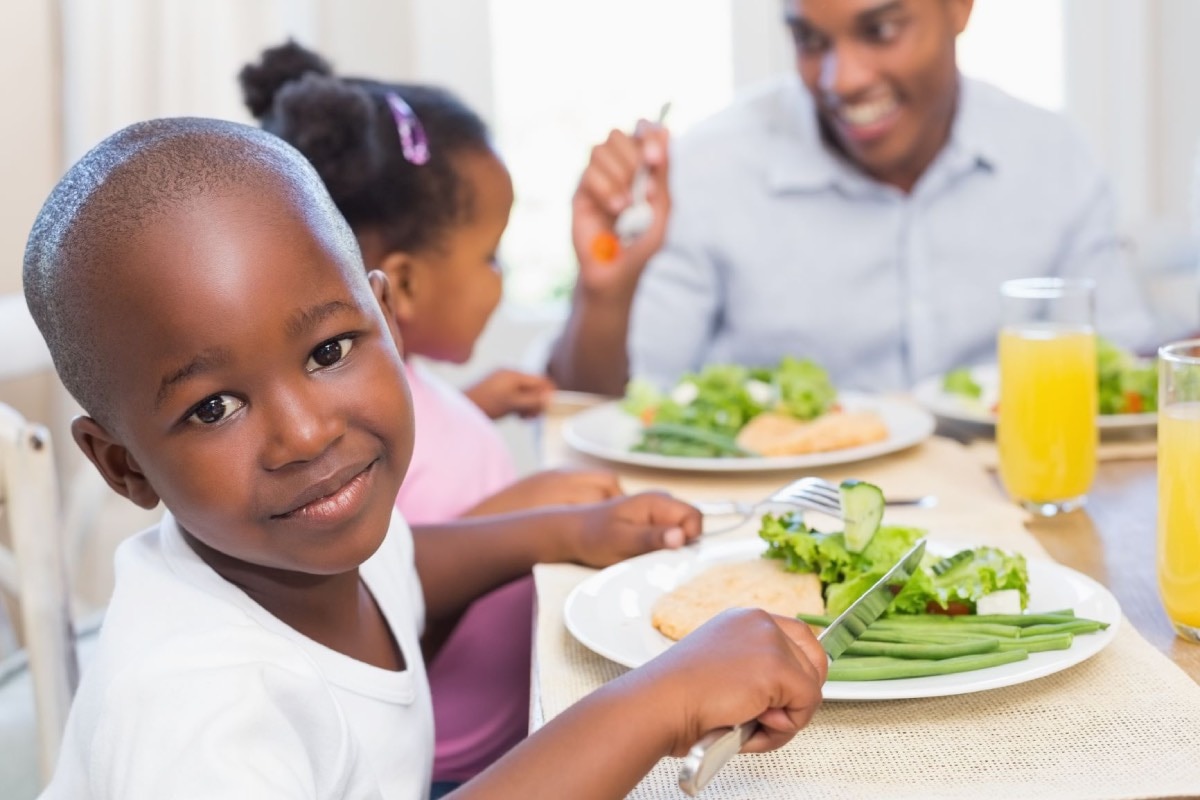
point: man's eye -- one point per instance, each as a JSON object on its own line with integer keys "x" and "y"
{"x": 329, "y": 353}
{"x": 809, "y": 41}
{"x": 214, "y": 409}
{"x": 884, "y": 31}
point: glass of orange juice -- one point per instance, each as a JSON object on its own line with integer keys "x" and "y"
{"x": 1179, "y": 484}
{"x": 1046, "y": 423}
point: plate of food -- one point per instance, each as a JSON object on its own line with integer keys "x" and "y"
{"x": 1031, "y": 618}
{"x": 1127, "y": 391}
{"x": 729, "y": 418}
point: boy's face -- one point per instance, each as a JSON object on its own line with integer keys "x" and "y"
{"x": 259, "y": 391}
{"x": 884, "y": 77}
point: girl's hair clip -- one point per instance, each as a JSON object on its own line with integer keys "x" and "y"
{"x": 413, "y": 142}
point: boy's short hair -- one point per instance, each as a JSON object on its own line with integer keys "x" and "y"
{"x": 111, "y": 194}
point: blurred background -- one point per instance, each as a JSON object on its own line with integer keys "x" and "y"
{"x": 552, "y": 78}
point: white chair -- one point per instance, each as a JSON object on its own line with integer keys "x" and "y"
{"x": 33, "y": 573}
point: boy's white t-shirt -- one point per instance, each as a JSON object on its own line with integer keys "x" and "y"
{"x": 196, "y": 691}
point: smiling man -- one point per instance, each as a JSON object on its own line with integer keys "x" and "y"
{"x": 863, "y": 216}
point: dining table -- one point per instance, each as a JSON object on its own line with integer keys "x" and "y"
{"x": 1124, "y": 723}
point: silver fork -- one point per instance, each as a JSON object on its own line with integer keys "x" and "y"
{"x": 812, "y": 493}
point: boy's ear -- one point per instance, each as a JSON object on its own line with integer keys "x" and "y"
{"x": 400, "y": 268}
{"x": 385, "y": 295}
{"x": 114, "y": 461}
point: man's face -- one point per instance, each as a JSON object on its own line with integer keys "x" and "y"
{"x": 261, "y": 391}
{"x": 884, "y": 78}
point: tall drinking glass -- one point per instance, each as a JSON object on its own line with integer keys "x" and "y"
{"x": 1179, "y": 485}
{"x": 1046, "y": 423}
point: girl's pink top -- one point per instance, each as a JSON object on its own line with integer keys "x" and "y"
{"x": 480, "y": 678}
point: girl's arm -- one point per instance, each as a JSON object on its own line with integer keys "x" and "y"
{"x": 460, "y": 561}
{"x": 743, "y": 665}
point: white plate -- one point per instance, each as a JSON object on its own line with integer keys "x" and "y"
{"x": 957, "y": 408}
{"x": 609, "y": 613}
{"x": 607, "y": 432}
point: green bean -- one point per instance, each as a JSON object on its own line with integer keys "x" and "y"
{"x": 980, "y": 628}
{"x": 1022, "y": 620}
{"x": 1036, "y": 644}
{"x": 882, "y": 669}
{"x": 923, "y": 650}
{"x": 1078, "y": 626}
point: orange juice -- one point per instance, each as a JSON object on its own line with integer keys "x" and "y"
{"x": 1179, "y": 512}
{"x": 1046, "y": 430}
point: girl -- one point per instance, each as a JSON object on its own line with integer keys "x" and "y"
{"x": 413, "y": 171}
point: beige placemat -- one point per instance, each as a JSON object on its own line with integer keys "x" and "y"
{"x": 984, "y": 451}
{"x": 1124, "y": 724}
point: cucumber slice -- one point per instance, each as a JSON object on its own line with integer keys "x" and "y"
{"x": 862, "y": 510}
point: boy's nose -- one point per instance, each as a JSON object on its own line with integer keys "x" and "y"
{"x": 301, "y": 425}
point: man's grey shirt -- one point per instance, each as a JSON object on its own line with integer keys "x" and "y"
{"x": 777, "y": 246}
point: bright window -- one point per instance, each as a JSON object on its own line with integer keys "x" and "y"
{"x": 599, "y": 65}
{"x": 1017, "y": 45}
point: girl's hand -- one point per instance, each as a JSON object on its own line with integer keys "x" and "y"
{"x": 507, "y": 391}
{"x": 619, "y": 529}
{"x": 607, "y": 268}
{"x": 552, "y": 488}
{"x": 744, "y": 664}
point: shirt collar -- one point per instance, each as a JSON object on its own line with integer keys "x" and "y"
{"x": 802, "y": 161}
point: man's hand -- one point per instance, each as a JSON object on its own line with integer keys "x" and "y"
{"x": 606, "y": 266}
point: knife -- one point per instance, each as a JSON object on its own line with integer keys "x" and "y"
{"x": 708, "y": 755}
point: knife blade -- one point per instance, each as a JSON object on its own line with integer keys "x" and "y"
{"x": 715, "y": 748}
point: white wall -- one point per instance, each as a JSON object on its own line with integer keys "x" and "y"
{"x": 29, "y": 139}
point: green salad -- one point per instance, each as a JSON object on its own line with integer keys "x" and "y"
{"x": 703, "y": 413}
{"x": 1125, "y": 383}
{"x": 957, "y": 613}
{"x": 949, "y": 585}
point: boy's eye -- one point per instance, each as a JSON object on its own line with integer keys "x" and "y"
{"x": 214, "y": 409}
{"x": 329, "y": 353}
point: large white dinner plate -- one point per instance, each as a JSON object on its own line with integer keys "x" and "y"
{"x": 609, "y": 613}
{"x": 957, "y": 408}
{"x": 605, "y": 431}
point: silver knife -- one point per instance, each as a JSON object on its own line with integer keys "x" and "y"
{"x": 708, "y": 755}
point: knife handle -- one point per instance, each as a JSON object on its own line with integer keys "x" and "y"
{"x": 708, "y": 755}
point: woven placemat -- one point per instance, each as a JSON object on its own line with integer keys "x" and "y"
{"x": 1123, "y": 724}
{"x": 985, "y": 452}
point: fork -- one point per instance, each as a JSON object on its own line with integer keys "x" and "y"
{"x": 812, "y": 493}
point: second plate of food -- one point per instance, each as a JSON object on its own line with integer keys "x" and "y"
{"x": 607, "y": 432}
{"x": 932, "y": 394}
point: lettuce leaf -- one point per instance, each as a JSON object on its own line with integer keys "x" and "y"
{"x": 966, "y": 577}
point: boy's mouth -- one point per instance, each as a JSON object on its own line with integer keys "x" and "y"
{"x": 332, "y": 497}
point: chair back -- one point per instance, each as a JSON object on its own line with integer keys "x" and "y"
{"x": 33, "y": 573}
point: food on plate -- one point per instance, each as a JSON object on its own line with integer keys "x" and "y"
{"x": 1125, "y": 383}
{"x": 862, "y": 512}
{"x": 949, "y": 585}
{"x": 961, "y": 382}
{"x": 771, "y": 434}
{"x": 958, "y": 612}
{"x": 747, "y": 584}
{"x": 716, "y": 413}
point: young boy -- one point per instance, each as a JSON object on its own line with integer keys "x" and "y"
{"x": 208, "y": 307}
